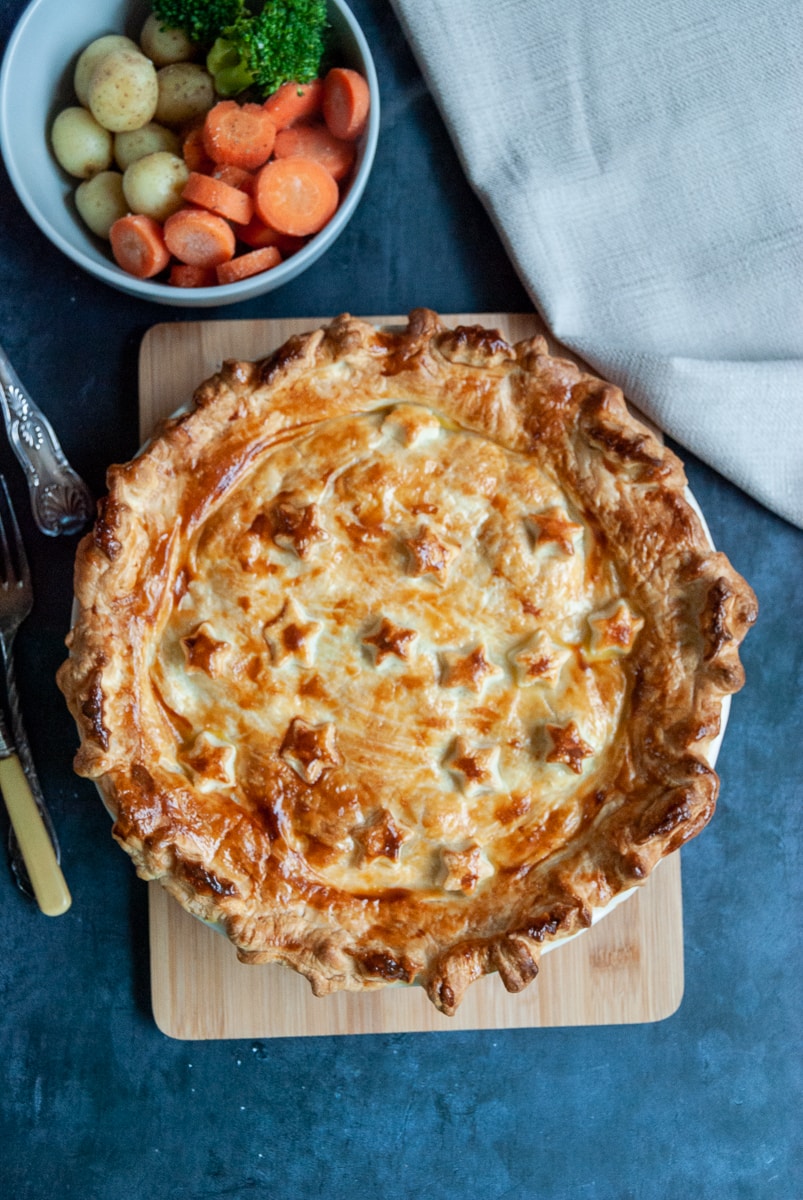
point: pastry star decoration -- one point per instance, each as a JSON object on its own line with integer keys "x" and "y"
{"x": 466, "y": 670}
{"x": 568, "y": 747}
{"x": 554, "y": 526}
{"x": 296, "y": 527}
{"x": 310, "y": 750}
{"x": 614, "y": 630}
{"x": 464, "y": 869}
{"x": 202, "y": 650}
{"x": 475, "y": 767}
{"x": 212, "y": 762}
{"x": 381, "y": 838}
{"x": 289, "y": 634}
{"x": 539, "y": 660}
{"x": 391, "y": 639}
{"x": 429, "y": 555}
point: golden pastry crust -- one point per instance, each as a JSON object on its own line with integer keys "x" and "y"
{"x": 400, "y": 653}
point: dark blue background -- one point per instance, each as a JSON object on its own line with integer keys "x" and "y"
{"x": 96, "y": 1103}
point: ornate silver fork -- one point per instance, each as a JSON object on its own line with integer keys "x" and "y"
{"x": 32, "y": 840}
{"x": 60, "y": 500}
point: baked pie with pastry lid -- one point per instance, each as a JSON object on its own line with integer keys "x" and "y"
{"x": 400, "y": 653}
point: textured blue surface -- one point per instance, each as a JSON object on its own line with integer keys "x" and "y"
{"x": 96, "y": 1103}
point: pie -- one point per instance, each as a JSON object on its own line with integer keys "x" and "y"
{"x": 400, "y": 653}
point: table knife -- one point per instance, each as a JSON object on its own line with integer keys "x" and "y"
{"x": 48, "y": 883}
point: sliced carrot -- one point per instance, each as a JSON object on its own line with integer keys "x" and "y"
{"x": 187, "y": 276}
{"x": 295, "y": 195}
{"x": 236, "y": 177}
{"x": 313, "y": 140}
{"x": 218, "y": 197}
{"x": 253, "y": 262}
{"x": 346, "y": 100}
{"x": 258, "y": 235}
{"x": 294, "y": 102}
{"x": 239, "y": 134}
{"x": 291, "y": 245}
{"x": 138, "y": 245}
{"x": 199, "y": 238}
{"x": 194, "y": 152}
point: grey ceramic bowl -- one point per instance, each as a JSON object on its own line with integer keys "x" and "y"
{"x": 36, "y": 82}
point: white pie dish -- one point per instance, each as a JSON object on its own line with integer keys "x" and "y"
{"x": 360, "y": 819}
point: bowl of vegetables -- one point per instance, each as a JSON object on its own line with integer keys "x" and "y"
{"x": 189, "y": 152}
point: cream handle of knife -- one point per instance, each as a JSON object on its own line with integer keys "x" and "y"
{"x": 44, "y": 872}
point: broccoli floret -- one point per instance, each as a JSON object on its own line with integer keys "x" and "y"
{"x": 201, "y": 20}
{"x": 259, "y": 52}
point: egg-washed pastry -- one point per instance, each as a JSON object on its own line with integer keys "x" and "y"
{"x": 401, "y": 653}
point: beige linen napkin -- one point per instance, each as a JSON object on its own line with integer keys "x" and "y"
{"x": 643, "y": 163}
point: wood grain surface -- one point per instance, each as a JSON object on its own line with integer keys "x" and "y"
{"x": 626, "y": 969}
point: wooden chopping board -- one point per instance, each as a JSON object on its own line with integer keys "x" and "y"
{"x": 626, "y": 969}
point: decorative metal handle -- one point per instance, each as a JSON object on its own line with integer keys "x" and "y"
{"x": 60, "y": 500}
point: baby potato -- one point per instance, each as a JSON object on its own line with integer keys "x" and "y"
{"x": 81, "y": 145}
{"x": 164, "y": 46}
{"x": 152, "y": 185}
{"x": 100, "y": 201}
{"x": 123, "y": 90}
{"x": 186, "y": 92}
{"x": 91, "y": 56}
{"x": 131, "y": 144}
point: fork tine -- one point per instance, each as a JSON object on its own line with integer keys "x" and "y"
{"x": 19, "y": 571}
{"x": 7, "y": 566}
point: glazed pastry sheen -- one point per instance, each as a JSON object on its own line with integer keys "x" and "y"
{"x": 400, "y": 653}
